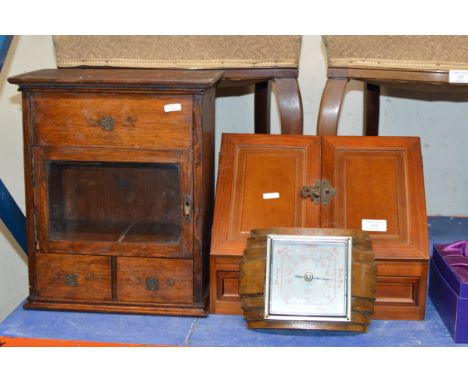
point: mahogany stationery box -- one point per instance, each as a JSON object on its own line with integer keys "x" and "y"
{"x": 369, "y": 183}
{"x": 119, "y": 186}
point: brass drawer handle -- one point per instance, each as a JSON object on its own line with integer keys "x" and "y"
{"x": 107, "y": 123}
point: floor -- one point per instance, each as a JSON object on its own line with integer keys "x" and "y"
{"x": 222, "y": 330}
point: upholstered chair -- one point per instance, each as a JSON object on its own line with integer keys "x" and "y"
{"x": 259, "y": 60}
{"x": 403, "y": 62}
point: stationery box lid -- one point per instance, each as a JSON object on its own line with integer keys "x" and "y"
{"x": 452, "y": 261}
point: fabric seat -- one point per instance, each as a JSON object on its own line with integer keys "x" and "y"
{"x": 254, "y": 59}
{"x": 397, "y": 52}
{"x": 186, "y": 52}
{"x": 406, "y": 62}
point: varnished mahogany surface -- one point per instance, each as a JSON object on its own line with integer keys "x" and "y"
{"x": 252, "y": 166}
{"x": 377, "y": 178}
{"x": 180, "y": 80}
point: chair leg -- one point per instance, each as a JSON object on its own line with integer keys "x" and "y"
{"x": 330, "y": 106}
{"x": 290, "y": 105}
{"x": 262, "y": 107}
{"x": 371, "y": 109}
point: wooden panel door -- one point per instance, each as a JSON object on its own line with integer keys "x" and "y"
{"x": 108, "y": 202}
{"x": 259, "y": 186}
{"x": 378, "y": 178}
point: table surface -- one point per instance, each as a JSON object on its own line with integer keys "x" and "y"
{"x": 230, "y": 330}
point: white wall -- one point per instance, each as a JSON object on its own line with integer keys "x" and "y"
{"x": 442, "y": 126}
{"x": 26, "y": 54}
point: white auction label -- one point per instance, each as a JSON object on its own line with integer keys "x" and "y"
{"x": 458, "y": 76}
{"x": 172, "y": 107}
{"x": 374, "y": 225}
{"x": 271, "y": 195}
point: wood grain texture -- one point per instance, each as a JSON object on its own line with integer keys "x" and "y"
{"x": 121, "y": 307}
{"x": 73, "y": 277}
{"x": 203, "y": 167}
{"x": 289, "y": 105}
{"x": 222, "y": 269}
{"x": 139, "y": 79}
{"x": 378, "y": 178}
{"x": 139, "y": 120}
{"x": 401, "y": 290}
{"x": 251, "y": 165}
{"x": 375, "y": 178}
{"x": 330, "y": 106}
{"x": 89, "y": 195}
{"x": 154, "y": 280}
{"x": 29, "y": 183}
{"x": 393, "y": 75}
{"x": 252, "y": 282}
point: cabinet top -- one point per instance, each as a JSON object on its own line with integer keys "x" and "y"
{"x": 119, "y": 79}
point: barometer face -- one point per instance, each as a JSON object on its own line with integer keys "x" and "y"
{"x": 308, "y": 278}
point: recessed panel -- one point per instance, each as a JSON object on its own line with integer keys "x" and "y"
{"x": 265, "y": 190}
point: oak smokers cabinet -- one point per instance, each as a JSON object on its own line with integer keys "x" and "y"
{"x": 119, "y": 185}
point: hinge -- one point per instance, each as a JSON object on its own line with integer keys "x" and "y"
{"x": 321, "y": 192}
{"x": 36, "y": 238}
{"x": 33, "y": 172}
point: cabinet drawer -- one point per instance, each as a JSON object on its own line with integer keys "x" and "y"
{"x": 113, "y": 120}
{"x": 73, "y": 277}
{"x": 401, "y": 290}
{"x": 154, "y": 280}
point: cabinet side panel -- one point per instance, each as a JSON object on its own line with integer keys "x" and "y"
{"x": 28, "y": 141}
{"x": 203, "y": 154}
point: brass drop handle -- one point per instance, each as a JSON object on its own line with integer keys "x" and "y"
{"x": 187, "y": 206}
{"x": 107, "y": 123}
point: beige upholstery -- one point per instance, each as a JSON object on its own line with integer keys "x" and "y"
{"x": 190, "y": 52}
{"x": 398, "y": 52}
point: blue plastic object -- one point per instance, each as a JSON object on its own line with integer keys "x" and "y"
{"x": 5, "y": 42}
{"x": 10, "y": 213}
{"x": 13, "y": 217}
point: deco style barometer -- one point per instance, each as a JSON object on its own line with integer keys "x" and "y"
{"x": 308, "y": 279}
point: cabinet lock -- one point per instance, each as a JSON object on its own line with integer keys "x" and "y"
{"x": 321, "y": 192}
{"x": 187, "y": 206}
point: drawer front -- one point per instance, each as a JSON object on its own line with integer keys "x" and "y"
{"x": 154, "y": 280}
{"x": 401, "y": 290}
{"x": 113, "y": 120}
{"x": 76, "y": 277}
{"x": 224, "y": 285}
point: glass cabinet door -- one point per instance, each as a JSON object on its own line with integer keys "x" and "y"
{"x": 114, "y": 202}
{"x": 118, "y": 204}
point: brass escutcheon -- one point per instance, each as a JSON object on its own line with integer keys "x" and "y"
{"x": 152, "y": 283}
{"x": 107, "y": 123}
